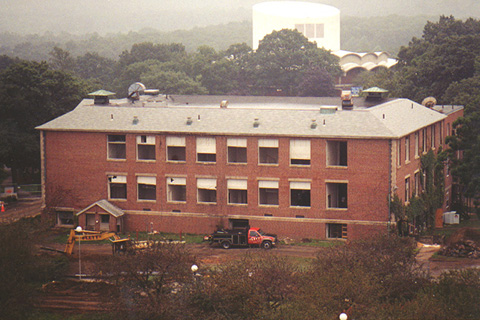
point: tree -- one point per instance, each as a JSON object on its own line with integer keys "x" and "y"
{"x": 100, "y": 70}
{"x": 61, "y": 60}
{"x": 317, "y": 82}
{"x": 283, "y": 57}
{"x": 32, "y": 94}
{"x": 149, "y": 51}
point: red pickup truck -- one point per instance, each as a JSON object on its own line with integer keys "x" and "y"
{"x": 242, "y": 237}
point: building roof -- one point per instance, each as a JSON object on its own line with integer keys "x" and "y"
{"x": 296, "y": 9}
{"x": 277, "y": 116}
{"x": 105, "y": 205}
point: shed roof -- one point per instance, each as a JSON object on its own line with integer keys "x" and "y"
{"x": 276, "y": 117}
{"x": 105, "y": 205}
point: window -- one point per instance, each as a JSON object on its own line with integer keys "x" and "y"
{"x": 311, "y": 30}
{"x": 300, "y": 194}
{"x": 147, "y": 187}
{"x": 145, "y": 147}
{"x": 416, "y": 144}
{"x": 417, "y": 183}
{"x": 268, "y": 151}
{"x": 407, "y": 189}
{"x": 206, "y": 149}
{"x": 65, "y": 218}
{"x": 117, "y": 147}
{"x": 117, "y": 187}
{"x": 424, "y": 140}
{"x": 336, "y": 231}
{"x": 237, "y": 150}
{"x": 176, "y": 189}
{"x": 432, "y": 138}
{"x": 207, "y": 190}
{"x": 337, "y": 195}
{"x": 337, "y": 153}
{"x": 104, "y": 222}
{"x": 176, "y": 149}
{"x": 268, "y": 192}
{"x": 300, "y": 152}
{"x": 399, "y": 152}
{"x": 237, "y": 191}
{"x": 407, "y": 149}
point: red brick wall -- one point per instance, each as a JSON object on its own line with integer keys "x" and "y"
{"x": 77, "y": 167}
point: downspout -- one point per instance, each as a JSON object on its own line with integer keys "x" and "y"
{"x": 389, "y": 185}
{"x": 43, "y": 167}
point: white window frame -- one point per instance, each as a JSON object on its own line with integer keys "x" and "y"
{"x": 300, "y": 149}
{"x": 207, "y": 184}
{"x": 146, "y": 180}
{"x": 237, "y": 184}
{"x": 112, "y": 143}
{"x": 149, "y": 141}
{"x": 117, "y": 179}
{"x": 271, "y": 144}
{"x": 176, "y": 181}
{"x": 301, "y": 185}
{"x": 268, "y": 184}
{"x": 176, "y": 142}
{"x": 207, "y": 146}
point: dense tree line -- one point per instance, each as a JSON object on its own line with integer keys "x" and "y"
{"x": 358, "y": 34}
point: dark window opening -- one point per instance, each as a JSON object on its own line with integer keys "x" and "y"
{"x": 207, "y": 195}
{"x": 268, "y": 155}
{"x": 146, "y": 152}
{"x": 118, "y": 191}
{"x": 147, "y": 192}
{"x": 300, "y": 198}
{"x": 116, "y": 147}
{"x": 177, "y": 193}
{"x": 268, "y": 196}
{"x": 337, "y": 195}
{"x": 237, "y": 196}
{"x": 176, "y": 154}
{"x": 206, "y": 157}
{"x": 336, "y": 231}
{"x": 337, "y": 153}
{"x": 237, "y": 155}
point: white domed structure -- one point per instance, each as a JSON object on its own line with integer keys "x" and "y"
{"x": 318, "y": 22}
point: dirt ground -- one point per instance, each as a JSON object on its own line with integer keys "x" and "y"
{"x": 208, "y": 255}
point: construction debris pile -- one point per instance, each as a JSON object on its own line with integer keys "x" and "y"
{"x": 465, "y": 243}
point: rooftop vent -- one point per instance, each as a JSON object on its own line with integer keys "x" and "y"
{"x": 347, "y": 100}
{"x": 224, "y": 104}
{"x": 374, "y": 93}
{"x": 256, "y": 123}
{"x": 189, "y": 121}
{"x": 313, "y": 125}
{"x": 328, "y": 109}
{"x": 151, "y": 92}
{"x": 101, "y": 97}
{"x": 135, "y": 120}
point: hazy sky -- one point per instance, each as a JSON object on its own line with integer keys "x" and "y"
{"x": 106, "y": 16}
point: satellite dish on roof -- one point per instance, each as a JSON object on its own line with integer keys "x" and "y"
{"x": 135, "y": 90}
{"x": 429, "y": 102}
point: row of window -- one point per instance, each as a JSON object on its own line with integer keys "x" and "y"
{"x": 300, "y": 150}
{"x": 417, "y": 147}
{"x": 176, "y": 191}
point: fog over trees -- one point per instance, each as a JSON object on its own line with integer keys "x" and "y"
{"x": 108, "y": 16}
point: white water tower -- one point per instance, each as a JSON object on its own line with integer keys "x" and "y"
{"x": 318, "y": 22}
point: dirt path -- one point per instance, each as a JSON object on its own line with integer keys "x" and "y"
{"x": 438, "y": 265}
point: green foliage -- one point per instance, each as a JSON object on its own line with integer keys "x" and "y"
{"x": 32, "y": 94}
{"x": 282, "y": 59}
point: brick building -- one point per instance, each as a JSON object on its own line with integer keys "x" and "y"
{"x": 299, "y": 167}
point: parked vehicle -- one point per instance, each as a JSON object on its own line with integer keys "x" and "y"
{"x": 242, "y": 237}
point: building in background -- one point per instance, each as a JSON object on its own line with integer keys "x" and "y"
{"x": 321, "y": 24}
{"x": 299, "y": 167}
{"x": 317, "y": 22}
